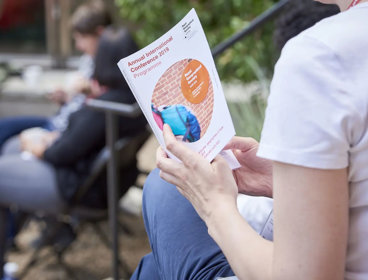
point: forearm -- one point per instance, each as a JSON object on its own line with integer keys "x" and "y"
{"x": 249, "y": 255}
{"x": 310, "y": 211}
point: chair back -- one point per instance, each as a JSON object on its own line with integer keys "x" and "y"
{"x": 126, "y": 149}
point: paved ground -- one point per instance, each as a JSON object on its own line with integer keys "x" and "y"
{"x": 87, "y": 258}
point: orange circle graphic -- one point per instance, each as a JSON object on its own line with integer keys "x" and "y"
{"x": 195, "y": 81}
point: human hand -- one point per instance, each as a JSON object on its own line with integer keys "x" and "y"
{"x": 81, "y": 85}
{"x": 206, "y": 185}
{"x": 96, "y": 89}
{"x": 58, "y": 96}
{"x": 36, "y": 148}
{"x": 37, "y": 140}
{"x": 50, "y": 137}
{"x": 254, "y": 177}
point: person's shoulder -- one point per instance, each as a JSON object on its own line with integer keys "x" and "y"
{"x": 118, "y": 95}
{"x": 327, "y": 40}
{"x": 340, "y": 33}
{"x": 312, "y": 37}
{"x": 303, "y": 51}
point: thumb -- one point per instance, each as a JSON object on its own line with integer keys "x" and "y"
{"x": 219, "y": 163}
{"x": 241, "y": 143}
{"x": 222, "y": 168}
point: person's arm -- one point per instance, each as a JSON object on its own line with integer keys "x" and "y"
{"x": 84, "y": 136}
{"x": 311, "y": 214}
{"x": 310, "y": 234}
{"x": 310, "y": 208}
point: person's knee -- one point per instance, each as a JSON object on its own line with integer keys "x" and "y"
{"x": 158, "y": 195}
{"x": 146, "y": 269}
{"x": 11, "y": 146}
{"x": 153, "y": 186}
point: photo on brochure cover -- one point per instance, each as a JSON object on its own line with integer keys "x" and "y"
{"x": 183, "y": 98}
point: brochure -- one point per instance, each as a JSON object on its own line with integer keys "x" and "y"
{"x": 175, "y": 81}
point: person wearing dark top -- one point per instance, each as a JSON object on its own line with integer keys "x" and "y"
{"x": 87, "y": 24}
{"x": 49, "y": 170}
{"x": 83, "y": 139}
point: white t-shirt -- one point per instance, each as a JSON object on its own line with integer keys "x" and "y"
{"x": 317, "y": 115}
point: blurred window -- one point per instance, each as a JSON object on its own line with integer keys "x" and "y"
{"x": 22, "y": 26}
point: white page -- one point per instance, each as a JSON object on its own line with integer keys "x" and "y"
{"x": 178, "y": 71}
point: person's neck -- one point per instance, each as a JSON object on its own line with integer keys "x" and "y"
{"x": 344, "y": 5}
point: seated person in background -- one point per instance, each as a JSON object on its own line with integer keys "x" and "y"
{"x": 87, "y": 24}
{"x": 47, "y": 180}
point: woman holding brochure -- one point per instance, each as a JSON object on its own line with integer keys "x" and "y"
{"x": 318, "y": 178}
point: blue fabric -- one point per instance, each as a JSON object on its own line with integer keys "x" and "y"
{"x": 11, "y": 126}
{"x": 170, "y": 115}
{"x": 182, "y": 122}
{"x": 146, "y": 269}
{"x": 181, "y": 246}
{"x": 195, "y": 130}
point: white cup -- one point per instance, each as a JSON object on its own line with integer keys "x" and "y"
{"x": 32, "y": 74}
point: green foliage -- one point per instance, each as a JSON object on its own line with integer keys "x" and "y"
{"x": 248, "y": 111}
{"x": 248, "y": 116}
{"x": 250, "y": 59}
{"x": 220, "y": 20}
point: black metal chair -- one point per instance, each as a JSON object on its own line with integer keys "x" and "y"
{"x": 125, "y": 149}
{"x": 118, "y": 155}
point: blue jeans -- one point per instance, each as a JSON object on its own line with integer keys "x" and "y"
{"x": 181, "y": 246}
{"x": 12, "y": 126}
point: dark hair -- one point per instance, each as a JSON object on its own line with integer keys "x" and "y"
{"x": 113, "y": 46}
{"x": 88, "y": 17}
{"x": 298, "y": 16}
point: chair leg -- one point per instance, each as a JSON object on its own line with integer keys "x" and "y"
{"x": 3, "y": 238}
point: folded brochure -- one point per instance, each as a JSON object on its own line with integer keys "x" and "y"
{"x": 175, "y": 81}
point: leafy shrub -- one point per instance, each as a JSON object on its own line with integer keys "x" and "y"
{"x": 220, "y": 19}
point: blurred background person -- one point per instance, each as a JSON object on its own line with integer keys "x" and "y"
{"x": 46, "y": 180}
{"x": 87, "y": 24}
